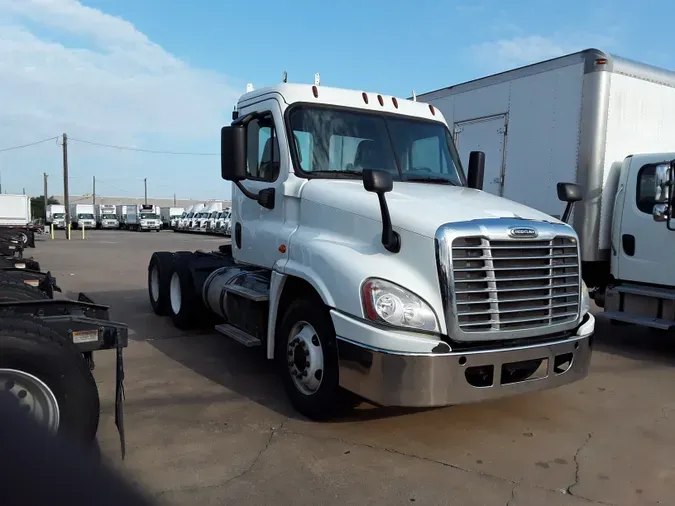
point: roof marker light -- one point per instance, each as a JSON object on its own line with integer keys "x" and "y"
{"x": 315, "y": 90}
{"x": 249, "y": 87}
{"x": 601, "y": 61}
{"x": 365, "y": 97}
{"x": 395, "y": 102}
{"x": 317, "y": 79}
{"x": 380, "y": 99}
{"x": 433, "y": 111}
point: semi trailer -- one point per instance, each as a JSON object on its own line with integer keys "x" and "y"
{"x": 367, "y": 265}
{"x": 573, "y": 118}
{"x": 170, "y": 216}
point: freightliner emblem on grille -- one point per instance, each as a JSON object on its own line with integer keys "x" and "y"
{"x": 523, "y": 232}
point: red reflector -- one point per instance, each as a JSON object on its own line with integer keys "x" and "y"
{"x": 315, "y": 90}
{"x": 601, "y": 61}
{"x": 365, "y": 97}
{"x": 393, "y": 99}
{"x": 380, "y": 99}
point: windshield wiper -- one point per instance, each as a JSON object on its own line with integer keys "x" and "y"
{"x": 422, "y": 179}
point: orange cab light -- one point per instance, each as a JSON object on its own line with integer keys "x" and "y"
{"x": 315, "y": 90}
{"x": 380, "y": 99}
{"x": 393, "y": 99}
{"x": 365, "y": 97}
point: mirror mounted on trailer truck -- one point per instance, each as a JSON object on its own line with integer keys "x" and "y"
{"x": 664, "y": 174}
{"x": 381, "y": 182}
{"x": 233, "y": 162}
{"x": 476, "y": 170}
{"x": 570, "y": 193}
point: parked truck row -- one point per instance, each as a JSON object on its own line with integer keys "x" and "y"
{"x": 210, "y": 218}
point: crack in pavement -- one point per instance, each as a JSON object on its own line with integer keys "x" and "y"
{"x": 274, "y": 432}
{"x": 568, "y": 490}
{"x": 515, "y": 484}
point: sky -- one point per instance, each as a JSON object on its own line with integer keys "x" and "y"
{"x": 164, "y": 75}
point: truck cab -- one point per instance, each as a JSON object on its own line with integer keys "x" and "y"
{"x": 641, "y": 288}
{"x": 365, "y": 260}
{"x": 148, "y": 218}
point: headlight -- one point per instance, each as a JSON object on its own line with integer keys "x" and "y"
{"x": 388, "y": 303}
{"x": 585, "y": 299}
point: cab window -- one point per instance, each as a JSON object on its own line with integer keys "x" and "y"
{"x": 645, "y": 192}
{"x": 262, "y": 150}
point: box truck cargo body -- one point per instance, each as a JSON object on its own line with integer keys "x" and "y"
{"x": 14, "y": 210}
{"x": 573, "y": 118}
{"x": 106, "y": 216}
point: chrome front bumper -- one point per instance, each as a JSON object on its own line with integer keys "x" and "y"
{"x": 426, "y": 379}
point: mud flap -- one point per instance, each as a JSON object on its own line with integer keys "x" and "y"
{"x": 119, "y": 401}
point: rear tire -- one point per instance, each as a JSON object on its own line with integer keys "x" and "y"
{"x": 159, "y": 276}
{"x": 42, "y": 369}
{"x": 306, "y": 343}
{"x": 17, "y": 291}
{"x": 184, "y": 303}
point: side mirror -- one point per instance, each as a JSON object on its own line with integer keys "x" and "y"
{"x": 570, "y": 193}
{"x": 660, "y": 212}
{"x": 476, "y": 170}
{"x": 377, "y": 181}
{"x": 662, "y": 176}
{"x": 381, "y": 182}
{"x": 233, "y": 153}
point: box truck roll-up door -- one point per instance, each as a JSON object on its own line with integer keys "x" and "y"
{"x": 487, "y": 135}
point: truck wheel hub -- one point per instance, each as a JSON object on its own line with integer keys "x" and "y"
{"x": 34, "y": 397}
{"x": 305, "y": 358}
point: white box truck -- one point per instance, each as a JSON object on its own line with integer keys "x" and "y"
{"x": 567, "y": 119}
{"x": 82, "y": 215}
{"x": 170, "y": 216}
{"x": 56, "y": 215}
{"x": 15, "y": 218}
{"x": 148, "y": 218}
{"x": 106, "y": 216}
{"x": 364, "y": 259}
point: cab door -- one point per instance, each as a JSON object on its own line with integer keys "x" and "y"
{"x": 257, "y": 231}
{"x": 644, "y": 247}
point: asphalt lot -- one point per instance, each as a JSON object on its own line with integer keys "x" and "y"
{"x": 208, "y": 423}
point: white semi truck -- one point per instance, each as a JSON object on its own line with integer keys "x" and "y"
{"x": 106, "y": 216}
{"x": 82, "y": 215}
{"x": 363, "y": 260}
{"x": 208, "y": 221}
{"x": 56, "y": 215}
{"x": 574, "y": 118}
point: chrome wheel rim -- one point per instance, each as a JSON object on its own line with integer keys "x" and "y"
{"x": 305, "y": 358}
{"x": 154, "y": 283}
{"x": 33, "y": 395}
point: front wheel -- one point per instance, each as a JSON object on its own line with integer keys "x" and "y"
{"x": 307, "y": 358}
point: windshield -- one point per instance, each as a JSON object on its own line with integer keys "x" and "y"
{"x": 176, "y": 216}
{"x": 84, "y": 216}
{"x": 148, "y": 216}
{"x": 214, "y": 214}
{"x": 341, "y": 143}
{"x": 59, "y": 216}
{"x": 109, "y": 216}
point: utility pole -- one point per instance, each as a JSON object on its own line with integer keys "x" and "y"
{"x": 145, "y": 184}
{"x": 174, "y": 200}
{"x": 93, "y": 191}
{"x": 66, "y": 199}
{"x": 23, "y": 191}
{"x": 44, "y": 175}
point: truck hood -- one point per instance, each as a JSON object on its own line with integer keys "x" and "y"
{"x": 418, "y": 207}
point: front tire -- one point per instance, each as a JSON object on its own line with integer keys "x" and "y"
{"x": 307, "y": 358}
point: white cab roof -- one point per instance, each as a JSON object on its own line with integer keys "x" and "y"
{"x": 293, "y": 93}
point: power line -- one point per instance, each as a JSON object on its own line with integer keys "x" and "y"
{"x": 29, "y": 144}
{"x": 112, "y": 186}
{"x": 128, "y": 148}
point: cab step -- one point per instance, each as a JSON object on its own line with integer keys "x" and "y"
{"x": 247, "y": 293}
{"x": 238, "y": 335}
{"x": 656, "y": 323}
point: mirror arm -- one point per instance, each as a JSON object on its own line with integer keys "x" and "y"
{"x": 391, "y": 240}
{"x": 568, "y": 210}
{"x": 264, "y": 197}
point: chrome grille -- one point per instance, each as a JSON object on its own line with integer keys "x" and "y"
{"x": 514, "y": 284}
